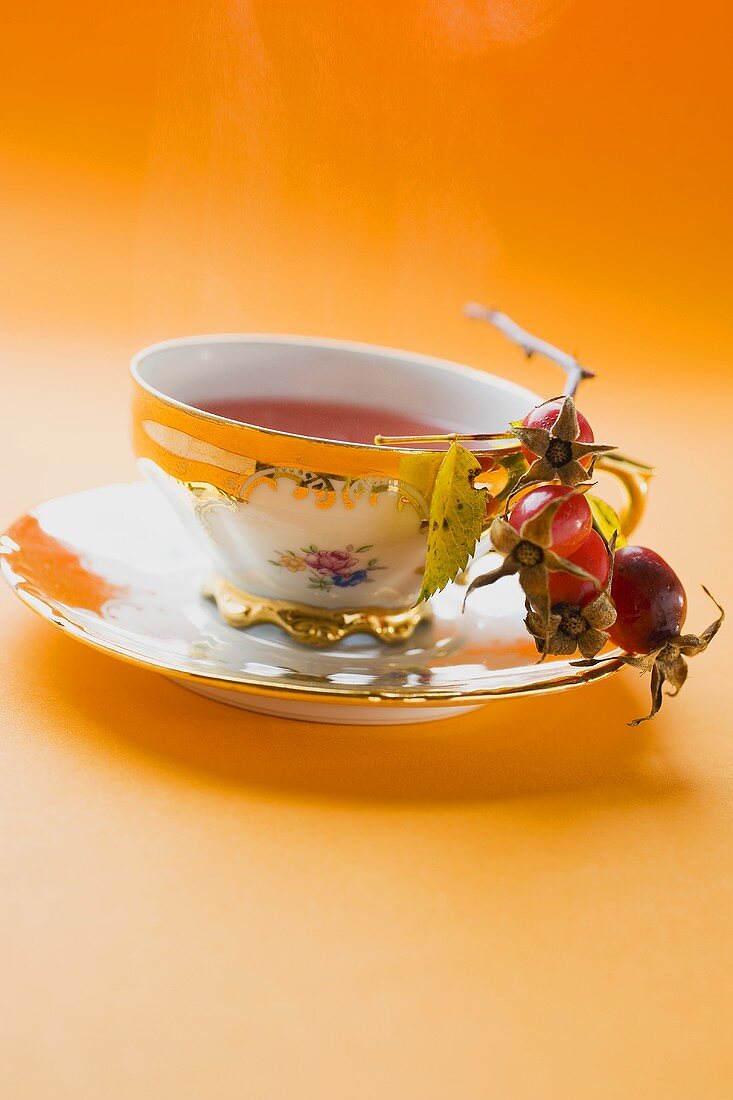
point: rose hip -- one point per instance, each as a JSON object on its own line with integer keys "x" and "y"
{"x": 544, "y": 416}
{"x": 592, "y": 556}
{"x": 572, "y": 523}
{"x": 650, "y": 600}
{"x": 651, "y": 606}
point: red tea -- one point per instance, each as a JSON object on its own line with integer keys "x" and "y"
{"x": 323, "y": 419}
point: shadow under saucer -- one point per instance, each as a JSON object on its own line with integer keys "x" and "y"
{"x": 508, "y": 749}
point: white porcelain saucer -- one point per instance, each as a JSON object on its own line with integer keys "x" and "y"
{"x": 113, "y": 568}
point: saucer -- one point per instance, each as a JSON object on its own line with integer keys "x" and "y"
{"x": 113, "y": 567}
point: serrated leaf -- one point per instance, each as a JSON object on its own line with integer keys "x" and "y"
{"x": 457, "y": 516}
{"x": 605, "y": 520}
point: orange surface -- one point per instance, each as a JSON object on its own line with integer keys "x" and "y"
{"x": 529, "y": 902}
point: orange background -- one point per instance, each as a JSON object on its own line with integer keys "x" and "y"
{"x": 532, "y": 901}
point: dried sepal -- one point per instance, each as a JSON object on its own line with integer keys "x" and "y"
{"x": 667, "y": 663}
{"x": 527, "y": 553}
{"x": 547, "y": 633}
{"x": 690, "y": 645}
{"x": 503, "y": 536}
{"x": 568, "y": 627}
{"x": 558, "y": 450}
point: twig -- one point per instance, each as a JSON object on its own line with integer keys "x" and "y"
{"x": 531, "y": 345}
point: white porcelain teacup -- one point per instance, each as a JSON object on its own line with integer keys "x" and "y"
{"x": 321, "y": 536}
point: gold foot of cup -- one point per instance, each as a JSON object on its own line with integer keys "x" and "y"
{"x": 312, "y": 626}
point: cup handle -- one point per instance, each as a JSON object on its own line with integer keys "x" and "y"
{"x": 634, "y": 477}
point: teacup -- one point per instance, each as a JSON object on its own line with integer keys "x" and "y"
{"x": 322, "y": 537}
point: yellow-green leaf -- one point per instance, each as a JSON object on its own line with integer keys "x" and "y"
{"x": 457, "y": 512}
{"x": 605, "y": 520}
{"x": 419, "y": 471}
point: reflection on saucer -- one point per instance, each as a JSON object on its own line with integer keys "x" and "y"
{"x": 113, "y": 567}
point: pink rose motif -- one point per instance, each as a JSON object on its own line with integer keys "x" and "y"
{"x": 336, "y": 562}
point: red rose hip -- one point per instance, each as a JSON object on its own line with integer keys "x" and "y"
{"x": 545, "y": 416}
{"x": 650, "y": 600}
{"x": 572, "y": 523}
{"x": 592, "y": 556}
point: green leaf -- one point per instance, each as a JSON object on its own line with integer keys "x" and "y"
{"x": 457, "y": 514}
{"x": 605, "y": 520}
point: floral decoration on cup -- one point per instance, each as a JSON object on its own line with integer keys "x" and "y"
{"x": 329, "y": 568}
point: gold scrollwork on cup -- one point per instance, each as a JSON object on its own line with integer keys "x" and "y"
{"x": 326, "y": 489}
{"x": 205, "y": 497}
